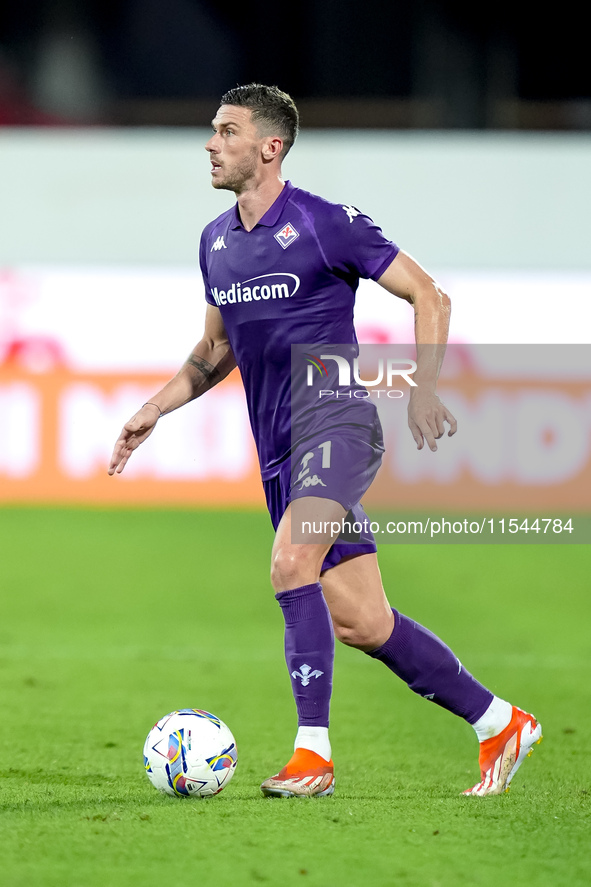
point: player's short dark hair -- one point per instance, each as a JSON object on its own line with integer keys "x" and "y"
{"x": 273, "y": 110}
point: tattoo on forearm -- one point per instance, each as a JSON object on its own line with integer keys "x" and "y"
{"x": 207, "y": 370}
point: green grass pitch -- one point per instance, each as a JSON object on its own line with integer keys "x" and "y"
{"x": 111, "y": 618}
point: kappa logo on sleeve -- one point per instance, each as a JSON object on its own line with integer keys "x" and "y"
{"x": 286, "y": 236}
{"x": 351, "y": 212}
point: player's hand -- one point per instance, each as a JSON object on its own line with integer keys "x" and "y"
{"x": 426, "y": 418}
{"x": 132, "y": 435}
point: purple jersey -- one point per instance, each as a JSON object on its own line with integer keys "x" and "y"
{"x": 290, "y": 280}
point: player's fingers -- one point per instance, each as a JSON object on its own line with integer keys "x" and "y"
{"x": 123, "y": 459}
{"x": 436, "y": 425}
{"x": 121, "y": 453}
{"x": 123, "y": 462}
{"x": 417, "y": 434}
{"x": 430, "y": 434}
{"x": 115, "y": 457}
{"x": 453, "y": 425}
{"x": 432, "y": 428}
{"x": 114, "y": 463}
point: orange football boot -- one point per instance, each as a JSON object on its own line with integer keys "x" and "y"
{"x": 501, "y": 756}
{"x": 306, "y": 775}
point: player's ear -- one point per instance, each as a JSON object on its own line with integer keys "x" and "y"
{"x": 272, "y": 148}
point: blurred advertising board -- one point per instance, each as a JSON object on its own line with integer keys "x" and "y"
{"x": 58, "y": 429}
{"x": 82, "y": 349}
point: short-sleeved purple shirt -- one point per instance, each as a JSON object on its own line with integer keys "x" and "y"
{"x": 291, "y": 280}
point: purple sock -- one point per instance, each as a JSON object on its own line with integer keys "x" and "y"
{"x": 430, "y": 669}
{"x": 309, "y": 651}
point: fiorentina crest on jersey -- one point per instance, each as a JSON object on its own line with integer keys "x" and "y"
{"x": 286, "y": 236}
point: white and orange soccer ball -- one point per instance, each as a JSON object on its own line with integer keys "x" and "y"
{"x": 190, "y": 754}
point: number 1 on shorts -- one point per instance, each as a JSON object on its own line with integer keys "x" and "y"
{"x": 326, "y": 448}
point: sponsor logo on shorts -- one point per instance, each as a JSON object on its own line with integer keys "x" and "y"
{"x": 312, "y": 481}
{"x": 280, "y": 285}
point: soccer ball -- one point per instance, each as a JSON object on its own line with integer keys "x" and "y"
{"x": 190, "y": 754}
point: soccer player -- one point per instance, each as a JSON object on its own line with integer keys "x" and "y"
{"x": 280, "y": 268}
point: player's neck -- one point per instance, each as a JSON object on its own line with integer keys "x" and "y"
{"x": 254, "y": 202}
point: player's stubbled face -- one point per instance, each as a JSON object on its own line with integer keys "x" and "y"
{"x": 233, "y": 149}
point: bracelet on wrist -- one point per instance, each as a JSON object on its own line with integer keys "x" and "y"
{"x": 150, "y": 403}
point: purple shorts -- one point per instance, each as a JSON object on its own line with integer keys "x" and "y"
{"x": 340, "y": 466}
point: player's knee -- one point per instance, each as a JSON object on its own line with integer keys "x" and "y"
{"x": 361, "y": 636}
{"x": 293, "y": 566}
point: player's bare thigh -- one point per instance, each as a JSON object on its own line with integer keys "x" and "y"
{"x": 353, "y": 589}
{"x": 306, "y": 531}
{"x": 361, "y": 614}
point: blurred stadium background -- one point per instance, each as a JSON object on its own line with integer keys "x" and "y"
{"x": 465, "y": 132}
{"x": 466, "y": 137}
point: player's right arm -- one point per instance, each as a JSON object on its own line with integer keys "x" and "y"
{"x": 210, "y": 361}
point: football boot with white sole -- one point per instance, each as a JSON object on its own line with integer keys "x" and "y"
{"x": 306, "y": 775}
{"x": 501, "y": 756}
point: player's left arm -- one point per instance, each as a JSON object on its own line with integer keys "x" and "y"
{"x": 406, "y": 279}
